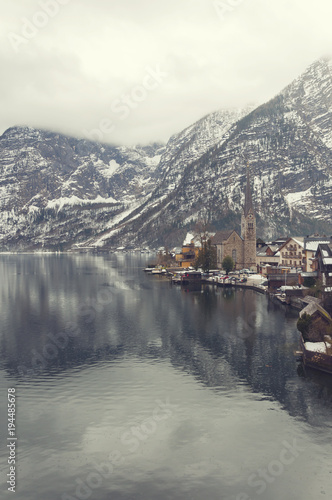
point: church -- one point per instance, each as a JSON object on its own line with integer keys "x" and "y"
{"x": 242, "y": 248}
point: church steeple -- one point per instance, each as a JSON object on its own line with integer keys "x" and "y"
{"x": 248, "y": 228}
{"x": 248, "y": 200}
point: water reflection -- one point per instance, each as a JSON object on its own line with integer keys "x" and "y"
{"x": 92, "y": 343}
{"x": 62, "y": 312}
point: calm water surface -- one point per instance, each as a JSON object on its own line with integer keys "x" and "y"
{"x": 128, "y": 388}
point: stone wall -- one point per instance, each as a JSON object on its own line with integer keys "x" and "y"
{"x": 233, "y": 246}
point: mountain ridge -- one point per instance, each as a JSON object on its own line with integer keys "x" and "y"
{"x": 151, "y": 196}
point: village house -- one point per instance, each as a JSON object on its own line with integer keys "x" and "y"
{"x": 242, "y": 248}
{"x": 299, "y": 252}
{"x": 323, "y": 263}
{"x": 311, "y": 244}
{"x": 188, "y": 254}
{"x": 292, "y": 253}
{"x": 280, "y": 241}
{"x": 267, "y": 255}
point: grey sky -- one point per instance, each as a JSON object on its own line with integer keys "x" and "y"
{"x": 137, "y": 71}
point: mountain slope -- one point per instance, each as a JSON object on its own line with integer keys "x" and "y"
{"x": 288, "y": 144}
{"x": 193, "y": 142}
{"x": 56, "y": 190}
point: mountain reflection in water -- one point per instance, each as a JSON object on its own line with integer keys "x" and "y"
{"x": 91, "y": 343}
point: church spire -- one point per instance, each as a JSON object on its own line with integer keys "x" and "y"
{"x": 248, "y": 200}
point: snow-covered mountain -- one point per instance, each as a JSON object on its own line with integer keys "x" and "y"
{"x": 193, "y": 142}
{"x": 287, "y": 142}
{"x": 57, "y": 191}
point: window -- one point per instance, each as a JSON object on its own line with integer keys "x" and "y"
{"x": 250, "y": 225}
{"x": 234, "y": 255}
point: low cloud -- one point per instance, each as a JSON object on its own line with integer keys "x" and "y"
{"x": 76, "y": 62}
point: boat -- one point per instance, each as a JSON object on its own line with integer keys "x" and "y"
{"x": 191, "y": 277}
{"x": 281, "y": 297}
{"x": 158, "y": 270}
{"x": 177, "y": 278}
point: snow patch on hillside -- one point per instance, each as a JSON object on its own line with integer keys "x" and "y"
{"x": 108, "y": 170}
{"x": 296, "y": 199}
{"x": 59, "y": 203}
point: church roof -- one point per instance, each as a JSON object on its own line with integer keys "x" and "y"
{"x": 248, "y": 200}
{"x": 222, "y": 236}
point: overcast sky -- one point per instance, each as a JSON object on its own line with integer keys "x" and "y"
{"x": 138, "y": 71}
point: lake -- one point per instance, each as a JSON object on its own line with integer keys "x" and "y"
{"x": 129, "y": 388}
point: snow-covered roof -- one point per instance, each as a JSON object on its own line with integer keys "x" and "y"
{"x": 310, "y": 309}
{"x": 327, "y": 261}
{"x": 188, "y": 238}
{"x": 299, "y": 240}
{"x": 274, "y": 248}
{"x": 261, "y": 252}
{"x": 292, "y": 287}
{"x": 196, "y": 237}
{"x": 313, "y": 245}
{"x": 317, "y": 346}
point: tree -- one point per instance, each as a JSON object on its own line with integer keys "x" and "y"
{"x": 202, "y": 231}
{"x": 228, "y": 264}
{"x": 309, "y": 281}
{"x": 207, "y": 257}
{"x": 304, "y": 325}
{"x": 317, "y": 289}
{"x": 164, "y": 258}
